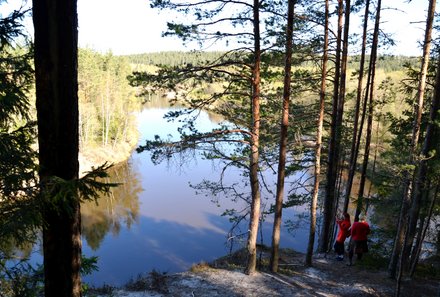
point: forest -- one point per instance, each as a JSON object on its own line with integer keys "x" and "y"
{"x": 293, "y": 99}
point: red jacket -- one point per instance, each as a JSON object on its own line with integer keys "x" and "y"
{"x": 360, "y": 230}
{"x": 344, "y": 226}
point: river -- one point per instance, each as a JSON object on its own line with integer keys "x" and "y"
{"x": 155, "y": 220}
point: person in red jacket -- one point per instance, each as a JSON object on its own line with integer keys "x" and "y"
{"x": 359, "y": 233}
{"x": 344, "y": 226}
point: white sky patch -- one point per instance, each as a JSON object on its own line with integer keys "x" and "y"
{"x": 123, "y": 27}
{"x": 131, "y": 26}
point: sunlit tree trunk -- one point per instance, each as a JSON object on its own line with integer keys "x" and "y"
{"x": 354, "y": 148}
{"x": 107, "y": 110}
{"x": 364, "y": 114}
{"x": 283, "y": 140}
{"x": 343, "y": 76}
{"x": 340, "y": 159}
{"x": 422, "y": 173}
{"x": 254, "y": 157}
{"x": 422, "y": 180}
{"x": 330, "y": 188}
{"x": 56, "y": 38}
{"x": 372, "y": 70}
{"x": 408, "y": 179}
{"x": 102, "y": 119}
{"x": 81, "y": 132}
{"x": 318, "y": 147}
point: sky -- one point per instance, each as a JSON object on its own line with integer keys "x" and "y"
{"x": 123, "y": 26}
{"x": 131, "y": 26}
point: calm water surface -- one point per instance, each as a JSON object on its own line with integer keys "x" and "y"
{"x": 155, "y": 220}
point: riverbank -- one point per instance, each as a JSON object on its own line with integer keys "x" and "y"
{"x": 225, "y": 277}
{"x": 95, "y": 156}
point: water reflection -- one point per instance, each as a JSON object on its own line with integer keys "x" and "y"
{"x": 154, "y": 220}
{"x": 160, "y": 102}
{"x": 162, "y": 245}
{"x": 110, "y": 212}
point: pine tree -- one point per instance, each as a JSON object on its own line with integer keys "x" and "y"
{"x": 318, "y": 148}
{"x": 398, "y": 247}
{"x": 55, "y": 26}
{"x": 334, "y": 142}
{"x": 283, "y": 138}
{"x": 18, "y": 166}
{"x": 355, "y": 138}
{"x": 241, "y": 68}
{"x": 370, "y": 89}
{"x": 60, "y": 191}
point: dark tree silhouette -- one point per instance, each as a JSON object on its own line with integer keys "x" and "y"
{"x": 56, "y": 39}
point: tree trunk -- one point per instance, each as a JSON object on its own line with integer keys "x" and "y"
{"x": 408, "y": 179}
{"x": 421, "y": 178}
{"x": 361, "y": 127}
{"x": 332, "y": 162}
{"x": 420, "y": 187}
{"x": 372, "y": 70}
{"x": 343, "y": 78}
{"x": 56, "y": 39}
{"x": 354, "y": 149}
{"x": 254, "y": 157}
{"x": 103, "y": 125}
{"x": 318, "y": 147}
{"x": 283, "y": 140}
{"x": 424, "y": 229}
{"x": 340, "y": 115}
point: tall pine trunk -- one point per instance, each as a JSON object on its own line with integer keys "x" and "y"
{"x": 254, "y": 155}
{"x": 318, "y": 147}
{"x": 340, "y": 113}
{"x": 354, "y": 148}
{"x": 422, "y": 182}
{"x": 421, "y": 177}
{"x": 283, "y": 140}
{"x": 343, "y": 79}
{"x": 408, "y": 178}
{"x": 56, "y": 39}
{"x": 372, "y": 70}
{"x": 330, "y": 188}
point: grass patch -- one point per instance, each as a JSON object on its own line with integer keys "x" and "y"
{"x": 429, "y": 268}
{"x": 140, "y": 283}
{"x": 427, "y": 271}
{"x": 200, "y": 267}
{"x": 373, "y": 260}
{"x": 154, "y": 281}
{"x": 238, "y": 259}
{"x": 103, "y": 290}
{"x": 158, "y": 281}
{"x": 235, "y": 260}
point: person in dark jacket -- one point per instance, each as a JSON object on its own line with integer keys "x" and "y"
{"x": 359, "y": 236}
{"x": 344, "y": 226}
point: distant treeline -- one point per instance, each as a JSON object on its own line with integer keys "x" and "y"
{"x": 178, "y": 58}
{"x": 390, "y": 63}
{"x": 173, "y": 58}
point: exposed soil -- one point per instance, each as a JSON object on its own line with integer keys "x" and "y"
{"x": 225, "y": 277}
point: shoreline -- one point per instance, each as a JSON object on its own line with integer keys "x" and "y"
{"x": 92, "y": 157}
